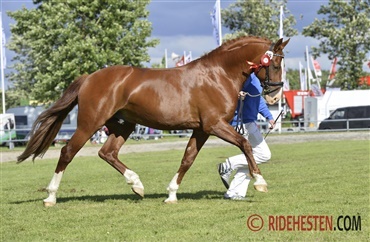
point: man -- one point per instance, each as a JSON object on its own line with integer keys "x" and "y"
{"x": 253, "y": 104}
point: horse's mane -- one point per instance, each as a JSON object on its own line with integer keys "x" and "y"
{"x": 236, "y": 43}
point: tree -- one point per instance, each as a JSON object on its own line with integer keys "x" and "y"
{"x": 61, "y": 40}
{"x": 14, "y": 98}
{"x": 292, "y": 75}
{"x": 160, "y": 65}
{"x": 258, "y": 18}
{"x": 343, "y": 33}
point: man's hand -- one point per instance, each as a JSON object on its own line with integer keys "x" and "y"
{"x": 241, "y": 95}
{"x": 272, "y": 124}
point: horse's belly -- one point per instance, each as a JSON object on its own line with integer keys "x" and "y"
{"x": 160, "y": 120}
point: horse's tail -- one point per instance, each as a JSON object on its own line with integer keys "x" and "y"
{"x": 49, "y": 122}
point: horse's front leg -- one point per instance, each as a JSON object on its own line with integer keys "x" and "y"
{"x": 226, "y": 132}
{"x": 193, "y": 147}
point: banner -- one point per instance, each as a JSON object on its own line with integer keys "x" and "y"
{"x": 302, "y": 77}
{"x": 181, "y": 62}
{"x": 333, "y": 69}
{"x": 286, "y": 86}
{"x": 216, "y": 22}
{"x": 188, "y": 58}
{"x": 317, "y": 68}
{"x": 3, "y": 43}
{"x": 3, "y": 62}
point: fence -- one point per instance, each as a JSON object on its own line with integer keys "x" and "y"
{"x": 145, "y": 133}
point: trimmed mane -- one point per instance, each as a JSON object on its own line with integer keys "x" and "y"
{"x": 236, "y": 43}
{"x": 241, "y": 41}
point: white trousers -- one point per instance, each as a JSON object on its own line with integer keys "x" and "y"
{"x": 261, "y": 154}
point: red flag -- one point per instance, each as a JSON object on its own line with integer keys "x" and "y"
{"x": 181, "y": 62}
{"x": 317, "y": 67}
{"x": 332, "y": 69}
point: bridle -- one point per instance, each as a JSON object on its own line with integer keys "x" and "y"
{"x": 266, "y": 85}
{"x": 265, "y": 63}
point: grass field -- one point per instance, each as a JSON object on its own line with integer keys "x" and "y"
{"x": 94, "y": 203}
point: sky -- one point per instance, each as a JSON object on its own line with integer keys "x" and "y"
{"x": 185, "y": 25}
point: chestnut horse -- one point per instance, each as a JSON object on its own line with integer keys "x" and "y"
{"x": 201, "y": 96}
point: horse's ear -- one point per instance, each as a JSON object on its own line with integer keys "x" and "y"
{"x": 284, "y": 43}
{"x": 280, "y": 44}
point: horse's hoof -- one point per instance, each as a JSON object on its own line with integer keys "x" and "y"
{"x": 138, "y": 191}
{"x": 261, "y": 187}
{"x": 49, "y": 204}
{"x": 167, "y": 201}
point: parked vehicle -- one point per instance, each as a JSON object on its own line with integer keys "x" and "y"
{"x": 318, "y": 108}
{"x": 25, "y": 116}
{"x": 357, "y": 117}
{"x": 7, "y": 128}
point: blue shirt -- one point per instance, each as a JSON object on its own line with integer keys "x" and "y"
{"x": 253, "y": 102}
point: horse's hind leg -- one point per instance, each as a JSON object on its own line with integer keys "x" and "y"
{"x": 66, "y": 155}
{"x": 195, "y": 143}
{"x": 118, "y": 134}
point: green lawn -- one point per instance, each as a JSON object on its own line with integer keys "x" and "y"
{"x": 95, "y": 204}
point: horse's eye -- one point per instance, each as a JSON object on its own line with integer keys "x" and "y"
{"x": 276, "y": 67}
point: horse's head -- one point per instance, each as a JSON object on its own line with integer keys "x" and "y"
{"x": 269, "y": 71}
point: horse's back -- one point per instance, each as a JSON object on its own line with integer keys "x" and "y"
{"x": 153, "y": 97}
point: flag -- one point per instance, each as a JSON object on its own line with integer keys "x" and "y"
{"x": 181, "y": 62}
{"x": 188, "y": 58}
{"x": 309, "y": 74}
{"x": 165, "y": 58}
{"x": 281, "y": 22}
{"x": 286, "y": 86}
{"x": 316, "y": 91}
{"x": 333, "y": 69}
{"x": 317, "y": 68}
{"x": 3, "y": 42}
{"x": 216, "y": 22}
{"x": 3, "y": 62}
{"x": 302, "y": 77}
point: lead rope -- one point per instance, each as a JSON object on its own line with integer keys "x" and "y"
{"x": 239, "y": 119}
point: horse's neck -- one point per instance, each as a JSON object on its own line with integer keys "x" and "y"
{"x": 236, "y": 61}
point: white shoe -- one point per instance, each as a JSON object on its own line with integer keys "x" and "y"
{"x": 224, "y": 169}
{"x": 235, "y": 197}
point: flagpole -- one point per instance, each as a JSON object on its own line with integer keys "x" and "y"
{"x": 308, "y": 69}
{"x": 219, "y": 21}
{"x": 216, "y": 22}
{"x": 165, "y": 58}
{"x": 300, "y": 77}
{"x": 282, "y": 65}
{"x": 2, "y": 62}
